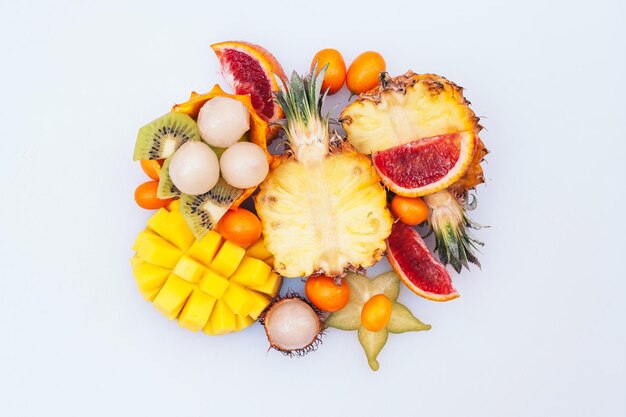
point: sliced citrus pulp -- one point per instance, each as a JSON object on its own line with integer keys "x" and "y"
{"x": 258, "y": 126}
{"x": 416, "y": 266}
{"x": 427, "y": 165}
{"x": 250, "y": 69}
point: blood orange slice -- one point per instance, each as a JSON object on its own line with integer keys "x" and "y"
{"x": 418, "y": 269}
{"x": 425, "y": 166}
{"x": 250, "y": 69}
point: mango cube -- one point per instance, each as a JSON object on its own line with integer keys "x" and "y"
{"x": 156, "y": 219}
{"x": 222, "y": 319}
{"x": 243, "y": 321}
{"x": 135, "y": 261}
{"x": 238, "y": 299}
{"x": 213, "y": 284}
{"x": 271, "y": 286}
{"x": 260, "y": 302}
{"x": 174, "y": 228}
{"x": 204, "y": 250}
{"x": 197, "y": 311}
{"x": 174, "y": 205}
{"x": 208, "y": 329}
{"x": 189, "y": 269}
{"x": 270, "y": 261}
{"x": 150, "y": 278}
{"x": 227, "y": 259}
{"x": 258, "y": 250}
{"x": 172, "y": 296}
{"x": 251, "y": 272}
{"x": 156, "y": 250}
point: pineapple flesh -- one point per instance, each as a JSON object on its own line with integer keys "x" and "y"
{"x": 323, "y": 208}
{"x": 407, "y": 108}
{"x": 410, "y": 107}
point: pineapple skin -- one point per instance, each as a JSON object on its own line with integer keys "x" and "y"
{"x": 407, "y": 108}
{"x": 325, "y": 217}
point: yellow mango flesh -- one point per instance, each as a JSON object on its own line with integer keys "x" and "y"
{"x": 259, "y": 303}
{"x": 222, "y": 319}
{"x": 172, "y": 297}
{"x": 197, "y": 311}
{"x": 238, "y": 299}
{"x": 189, "y": 269}
{"x": 204, "y": 250}
{"x": 251, "y": 272}
{"x": 156, "y": 250}
{"x": 150, "y": 278}
{"x": 271, "y": 286}
{"x": 227, "y": 259}
{"x": 258, "y": 250}
{"x": 211, "y": 285}
{"x": 243, "y": 321}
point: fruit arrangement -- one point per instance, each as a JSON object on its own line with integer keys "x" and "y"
{"x": 327, "y": 202}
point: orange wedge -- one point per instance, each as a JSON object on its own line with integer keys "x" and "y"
{"x": 250, "y": 69}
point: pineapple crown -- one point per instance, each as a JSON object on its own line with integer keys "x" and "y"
{"x": 301, "y": 100}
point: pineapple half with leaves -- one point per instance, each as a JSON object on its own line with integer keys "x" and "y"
{"x": 322, "y": 207}
{"x": 411, "y": 107}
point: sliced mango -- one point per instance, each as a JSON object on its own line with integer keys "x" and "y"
{"x": 174, "y": 228}
{"x": 208, "y": 329}
{"x": 251, "y": 272}
{"x": 227, "y": 259}
{"x": 197, "y": 311}
{"x": 238, "y": 299}
{"x": 260, "y": 302}
{"x": 156, "y": 250}
{"x": 213, "y": 284}
{"x": 258, "y": 250}
{"x": 189, "y": 269}
{"x": 204, "y": 250}
{"x": 243, "y": 321}
{"x": 135, "y": 261}
{"x": 156, "y": 219}
{"x": 189, "y": 279}
{"x": 172, "y": 296}
{"x": 222, "y": 319}
{"x": 174, "y": 205}
{"x": 271, "y": 286}
{"x": 150, "y": 278}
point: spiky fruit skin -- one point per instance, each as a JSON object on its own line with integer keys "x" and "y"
{"x": 412, "y": 107}
{"x": 448, "y": 221}
{"x": 474, "y": 174}
{"x": 407, "y": 108}
{"x": 324, "y": 217}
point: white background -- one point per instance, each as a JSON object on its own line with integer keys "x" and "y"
{"x": 540, "y": 331}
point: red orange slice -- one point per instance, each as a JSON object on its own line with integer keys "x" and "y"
{"x": 425, "y": 166}
{"x": 416, "y": 266}
{"x": 250, "y": 69}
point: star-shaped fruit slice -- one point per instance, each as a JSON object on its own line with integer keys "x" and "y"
{"x": 374, "y": 312}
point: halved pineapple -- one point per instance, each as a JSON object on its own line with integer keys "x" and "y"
{"x": 413, "y": 107}
{"x": 210, "y": 284}
{"x": 407, "y": 108}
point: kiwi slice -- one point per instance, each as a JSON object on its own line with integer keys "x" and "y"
{"x": 202, "y": 212}
{"x": 166, "y": 189}
{"x": 160, "y": 138}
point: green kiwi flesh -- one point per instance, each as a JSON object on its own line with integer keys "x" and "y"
{"x": 166, "y": 188}
{"x": 160, "y": 138}
{"x": 202, "y": 212}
